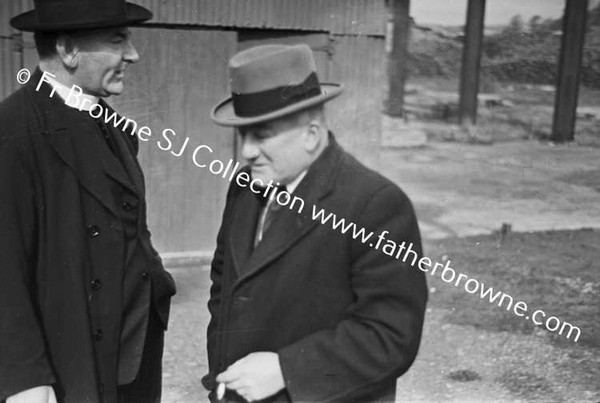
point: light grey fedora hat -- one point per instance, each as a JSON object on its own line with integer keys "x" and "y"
{"x": 269, "y": 82}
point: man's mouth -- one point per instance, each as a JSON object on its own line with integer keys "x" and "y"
{"x": 120, "y": 73}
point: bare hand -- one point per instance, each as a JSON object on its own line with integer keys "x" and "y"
{"x": 40, "y": 394}
{"x": 254, "y": 377}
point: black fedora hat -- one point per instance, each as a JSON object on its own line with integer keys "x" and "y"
{"x": 269, "y": 82}
{"x": 66, "y": 15}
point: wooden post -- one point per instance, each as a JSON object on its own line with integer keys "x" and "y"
{"x": 471, "y": 62}
{"x": 398, "y": 56}
{"x": 567, "y": 82}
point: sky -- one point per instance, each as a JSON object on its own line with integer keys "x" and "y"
{"x": 498, "y": 12}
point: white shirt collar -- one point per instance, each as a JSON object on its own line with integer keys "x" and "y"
{"x": 290, "y": 187}
{"x": 64, "y": 91}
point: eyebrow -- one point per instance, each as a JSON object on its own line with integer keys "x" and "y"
{"x": 122, "y": 33}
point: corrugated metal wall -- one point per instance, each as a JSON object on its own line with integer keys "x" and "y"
{"x": 181, "y": 75}
{"x": 10, "y": 62}
{"x": 356, "y": 17}
{"x": 352, "y": 17}
{"x": 9, "y": 9}
{"x": 10, "y": 58}
{"x": 359, "y": 63}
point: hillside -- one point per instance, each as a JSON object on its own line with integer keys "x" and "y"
{"x": 522, "y": 52}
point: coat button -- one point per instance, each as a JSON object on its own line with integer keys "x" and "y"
{"x": 93, "y": 231}
{"x": 96, "y": 284}
{"x": 99, "y": 335}
{"x": 145, "y": 275}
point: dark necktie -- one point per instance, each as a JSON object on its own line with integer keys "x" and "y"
{"x": 268, "y": 213}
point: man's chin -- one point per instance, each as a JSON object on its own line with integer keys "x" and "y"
{"x": 261, "y": 177}
{"x": 113, "y": 89}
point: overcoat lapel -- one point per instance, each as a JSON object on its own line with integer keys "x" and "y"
{"x": 243, "y": 228}
{"x": 114, "y": 168}
{"x": 73, "y": 136}
{"x": 289, "y": 227}
{"x": 133, "y": 179}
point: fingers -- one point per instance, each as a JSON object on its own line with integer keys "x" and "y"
{"x": 233, "y": 379}
{"x": 232, "y": 373}
{"x": 238, "y": 385}
{"x": 254, "y": 377}
{"x": 228, "y": 376}
{"x": 235, "y": 382}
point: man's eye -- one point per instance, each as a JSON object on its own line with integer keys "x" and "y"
{"x": 119, "y": 39}
{"x": 265, "y": 134}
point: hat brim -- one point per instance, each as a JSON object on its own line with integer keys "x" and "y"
{"x": 29, "y": 22}
{"x": 223, "y": 114}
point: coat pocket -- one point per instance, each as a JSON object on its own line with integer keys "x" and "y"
{"x": 163, "y": 288}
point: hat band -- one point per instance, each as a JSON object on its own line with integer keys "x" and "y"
{"x": 260, "y": 103}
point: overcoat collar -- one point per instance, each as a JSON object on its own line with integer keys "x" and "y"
{"x": 72, "y": 135}
{"x": 289, "y": 226}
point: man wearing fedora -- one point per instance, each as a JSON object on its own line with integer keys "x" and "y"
{"x": 84, "y": 297}
{"x": 299, "y": 311}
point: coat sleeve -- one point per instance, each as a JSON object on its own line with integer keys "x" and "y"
{"x": 23, "y": 360}
{"x": 378, "y": 338}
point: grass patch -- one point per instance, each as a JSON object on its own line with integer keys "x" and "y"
{"x": 555, "y": 271}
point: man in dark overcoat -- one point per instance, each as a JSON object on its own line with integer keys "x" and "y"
{"x": 84, "y": 297}
{"x": 303, "y": 310}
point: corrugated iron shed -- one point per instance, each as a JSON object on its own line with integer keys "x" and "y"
{"x": 9, "y": 9}
{"x": 10, "y": 57}
{"x": 343, "y": 17}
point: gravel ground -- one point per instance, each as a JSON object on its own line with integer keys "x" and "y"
{"x": 185, "y": 360}
{"x": 458, "y": 191}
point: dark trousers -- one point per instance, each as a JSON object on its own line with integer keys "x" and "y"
{"x": 147, "y": 386}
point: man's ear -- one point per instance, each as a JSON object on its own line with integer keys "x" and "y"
{"x": 313, "y": 136}
{"x": 67, "y": 51}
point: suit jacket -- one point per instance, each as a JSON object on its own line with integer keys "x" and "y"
{"x": 63, "y": 250}
{"x": 345, "y": 318}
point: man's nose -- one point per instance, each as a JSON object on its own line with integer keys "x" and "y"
{"x": 250, "y": 150}
{"x": 131, "y": 55}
